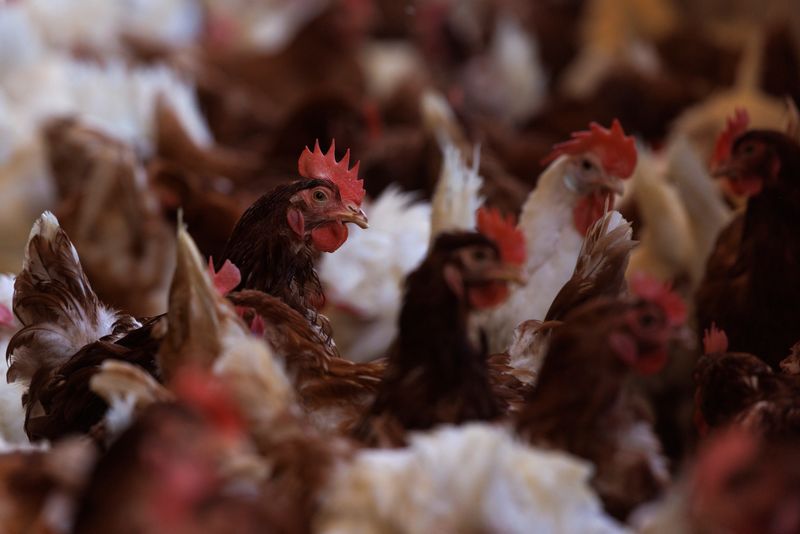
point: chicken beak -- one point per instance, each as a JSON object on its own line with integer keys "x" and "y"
{"x": 724, "y": 171}
{"x": 613, "y": 184}
{"x": 504, "y": 272}
{"x": 353, "y": 214}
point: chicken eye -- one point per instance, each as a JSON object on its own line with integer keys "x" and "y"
{"x": 646, "y": 320}
{"x": 586, "y": 165}
{"x": 320, "y": 196}
{"x": 480, "y": 255}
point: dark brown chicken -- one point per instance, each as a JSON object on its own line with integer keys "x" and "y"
{"x": 752, "y": 287}
{"x": 275, "y": 242}
{"x": 438, "y": 372}
{"x": 67, "y": 333}
{"x": 584, "y": 402}
{"x": 736, "y": 387}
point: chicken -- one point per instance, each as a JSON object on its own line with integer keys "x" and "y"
{"x": 365, "y": 302}
{"x": 170, "y": 472}
{"x": 206, "y": 333}
{"x": 740, "y": 388}
{"x": 702, "y": 123}
{"x": 112, "y": 215}
{"x": 601, "y": 343}
{"x": 599, "y": 271}
{"x": 41, "y": 81}
{"x": 66, "y": 334}
{"x": 470, "y": 478}
{"x": 508, "y": 80}
{"x": 322, "y": 484}
{"x": 743, "y": 483}
{"x": 363, "y": 281}
{"x": 275, "y": 241}
{"x": 682, "y": 214}
{"x": 571, "y": 194}
{"x": 437, "y": 372}
{"x": 40, "y": 486}
{"x": 743, "y": 292}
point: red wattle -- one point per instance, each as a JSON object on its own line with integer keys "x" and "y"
{"x": 590, "y": 208}
{"x": 747, "y": 186}
{"x": 329, "y": 236}
{"x": 651, "y": 362}
{"x": 487, "y": 296}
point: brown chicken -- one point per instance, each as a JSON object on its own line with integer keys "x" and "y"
{"x": 67, "y": 333}
{"x": 113, "y": 217}
{"x": 39, "y": 488}
{"x": 751, "y": 286}
{"x": 438, "y": 372}
{"x": 206, "y": 333}
{"x": 275, "y": 242}
{"x": 736, "y": 387}
{"x": 167, "y": 472}
{"x": 584, "y": 403}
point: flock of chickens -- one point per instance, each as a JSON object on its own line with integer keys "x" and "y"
{"x": 367, "y": 266}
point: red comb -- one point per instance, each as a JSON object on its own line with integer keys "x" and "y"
{"x": 653, "y": 290}
{"x": 504, "y": 232}
{"x": 226, "y": 279}
{"x": 736, "y": 126}
{"x": 715, "y": 341}
{"x": 617, "y": 152}
{"x": 325, "y": 167}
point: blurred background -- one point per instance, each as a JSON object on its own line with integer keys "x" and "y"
{"x": 209, "y": 103}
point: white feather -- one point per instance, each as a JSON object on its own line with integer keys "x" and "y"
{"x": 12, "y": 416}
{"x": 509, "y": 81}
{"x": 102, "y": 25}
{"x": 38, "y": 83}
{"x": 457, "y": 194}
{"x": 473, "y": 478}
{"x": 666, "y": 242}
{"x": 366, "y": 275}
{"x": 388, "y": 64}
{"x": 552, "y": 245}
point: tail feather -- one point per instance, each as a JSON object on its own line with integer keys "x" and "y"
{"x": 198, "y": 316}
{"x": 56, "y": 305}
{"x": 205, "y": 332}
{"x": 601, "y": 265}
{"x": 457, "y": 195}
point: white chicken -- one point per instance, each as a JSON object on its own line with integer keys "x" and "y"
{"x": 572, "y": 193}
{"x": 508, "y": 81}
{"x": 682, "y": 214}
{"x": 473, "y": 478}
